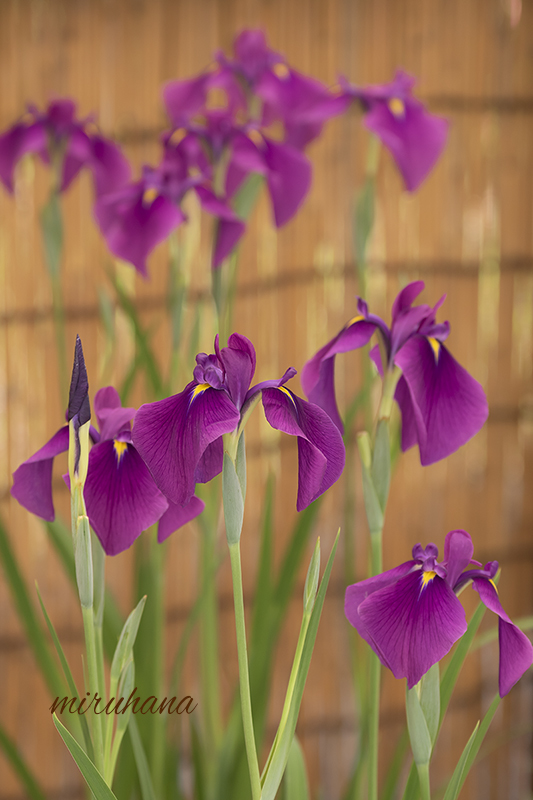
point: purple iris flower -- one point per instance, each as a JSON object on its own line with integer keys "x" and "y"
{"x": 121, "y": 497}
{"x": 180, "y": 438}
{"x": 414, "y": 137}
{"x": 441, "y": 405}
{"x": 411, "y": 616}
{"x": 56, "y": 135}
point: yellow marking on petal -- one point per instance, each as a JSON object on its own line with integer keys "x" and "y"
{"x": 427, "y": 576}
{"x": 397, "y": 107}
{"x": 353, "y": 320}
{"x": 199, "y": 389}
{"x": 435, "y": 346}
{"x": 491, "y": 581}
{"x": 289, "y": 395}
{"x": 149, "y": 196}
{"x": 120, "y": 449}
{"x": 256, "y": 137}
{"x": 281, "y": 70}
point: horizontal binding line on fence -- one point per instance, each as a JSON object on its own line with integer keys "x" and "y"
{"x": 179, "y": 613}
{"x": 464, "y": 104}
{"x": 287, "y": 279}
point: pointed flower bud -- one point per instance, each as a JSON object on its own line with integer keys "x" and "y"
{"x": 79, "y": 416}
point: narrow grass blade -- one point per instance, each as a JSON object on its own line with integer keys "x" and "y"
{"x": 93, "y": 779}
{"x": 459, "y": 775}
{"x": 147, "y": 790}
{"x": 278, "y": 760}
{"x": 13, "y": 756}
{"x": 295, "y": 780}
{"x": 68, "y": 675}
{"x": 27, "y": 615}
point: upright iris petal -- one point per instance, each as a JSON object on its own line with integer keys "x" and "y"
{"x": 411, "y": 616}
{"x": 441, "y": 405}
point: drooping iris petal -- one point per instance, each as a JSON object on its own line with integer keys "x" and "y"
{"x": 121, "y": 497}
{"x": 171, "y": 435}
{"x": 184, "y": 99}
{"x": 357, "y": 592}
{"x": 230, "y": 227}
{"x": 318, "y": 374}
{"x": 516, "y": 651}
{"x": 176, "y": 516}
{"x": 78, "y": 152}
{"x": 413, "y": 623}
{"x": 32, "y": 481}
{"x": 446, "y": 405}
{"x": 132, "y": 226}
{"x": 288, "y": 178}
{"x": 16, "y": 142}
{"x": 414, "y": 137}
{"x": 321, "y": 451}
{"x": 110, "y": 168}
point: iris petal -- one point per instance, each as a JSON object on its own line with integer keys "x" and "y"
{"x": 516, "y": 651}
{"x": 412, "y": 625}
{"x": 32, "y": 481}
{"x": 173, "y": 434}
{"x": 176, "y": 516}
{"x": 450, "y": 405}
{"x": 121, "y": 496}
{"x": 320, "y": 448}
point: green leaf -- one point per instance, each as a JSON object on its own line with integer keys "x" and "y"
{"x": 52, "y": 231}
{"x": 26, "y": 611}
{"x": 68, "y": 675}
{"x": 418, "y": 730}
{"x": 245, "y": 198}
{"x": 233, "y": 501}
{"x": 454, "y": 786}
{"x": 147, "y": 790}
{"x": 453, "y": 669}
{"x": 480, "y": 735}
{"x": 92, "y": 777}
{"x": 381, "y": 463}
{"x": 311, "y": 580}
{"x": 295, "y": 780}
{"x": 14, "y": 757}
{"x": 279, "y": 755}
{"x": 124, "y": 649}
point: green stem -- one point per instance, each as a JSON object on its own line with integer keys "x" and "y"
{"x": 209, "y": 639}
{"x": 423, "y": 779}
{"x": 94, "y": 684}
{"x": 244, "y": 678}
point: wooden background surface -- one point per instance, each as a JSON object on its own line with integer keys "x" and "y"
{"x": 467, "y": 232}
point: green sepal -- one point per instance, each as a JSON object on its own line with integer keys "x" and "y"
{"x": 92, "y": 777}
{"x": 124, "y": 649}
{"x": 244, "y": 200}
{"x": 233, "y": 501}
{"x": 295, "y": 781}
{"x": 240, "y": 464}
{"x": 52, "y": 231}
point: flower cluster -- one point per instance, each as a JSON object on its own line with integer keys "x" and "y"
{"x": 411, "y": 615}
{"x": 148, "y": 475}
{"x": 251, "y": 114}
{"x": 441, "y": 405}
{"x": 67, "y": 143}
